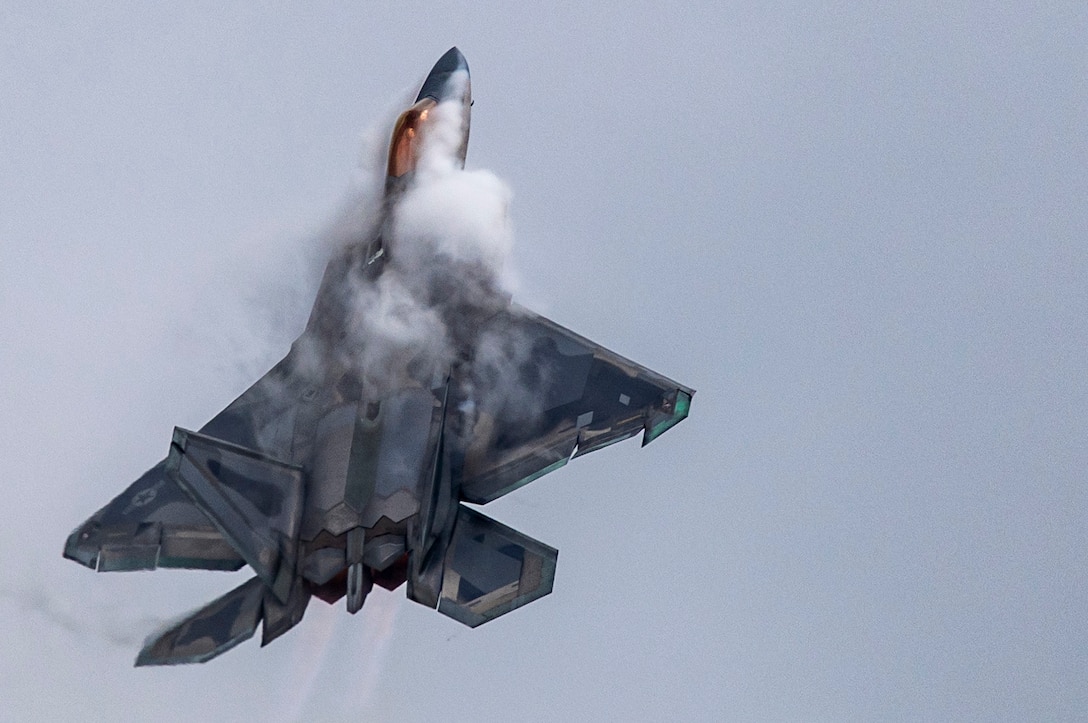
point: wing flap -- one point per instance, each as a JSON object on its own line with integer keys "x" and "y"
{"x": 134, "y": 550}
{"x": 520, "y": 468}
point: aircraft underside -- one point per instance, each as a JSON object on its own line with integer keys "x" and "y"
{"x": 331, "y": 475}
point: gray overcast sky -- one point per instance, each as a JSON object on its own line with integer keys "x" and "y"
{"x": 861, "y": 235}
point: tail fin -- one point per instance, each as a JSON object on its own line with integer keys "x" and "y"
{"x": 254, "y": 501}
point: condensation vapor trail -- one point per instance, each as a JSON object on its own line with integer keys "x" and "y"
{"x": 105, "y": 622}
{"x": 311, "y": 662}
{"x": 376, "y": 636}
{"x": 329, "y": 641}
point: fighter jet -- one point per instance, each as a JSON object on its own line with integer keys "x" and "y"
{"x": 327, "y": 477}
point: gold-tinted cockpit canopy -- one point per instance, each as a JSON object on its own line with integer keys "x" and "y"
{"x": 407, "y": 139}
{"x": 448, "y": 82}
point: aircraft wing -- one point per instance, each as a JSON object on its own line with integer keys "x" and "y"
{"x": 155, "y": 522}
{"x": 545, "y": 394}
{"x": 263, "y": 417}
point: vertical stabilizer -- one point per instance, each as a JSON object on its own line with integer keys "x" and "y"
{"x": 254, "y": 501}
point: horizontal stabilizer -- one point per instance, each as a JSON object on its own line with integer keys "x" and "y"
{"x": 214, "y": 629}
{"x": 254, "y": 501}
{"x": 490, "y": 569}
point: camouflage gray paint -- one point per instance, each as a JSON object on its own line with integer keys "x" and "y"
{"x": 328, "y": 476}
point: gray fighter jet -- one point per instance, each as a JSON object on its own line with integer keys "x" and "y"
{"x": 327, "y": 479}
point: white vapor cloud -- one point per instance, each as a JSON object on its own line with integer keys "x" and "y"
{"x": 448, "y": 240}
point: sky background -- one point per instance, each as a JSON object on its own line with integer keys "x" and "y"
{"x": 861, "y": 235}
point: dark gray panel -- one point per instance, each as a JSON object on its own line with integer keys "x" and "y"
{"x": 323, "y": 564}
{"x": 382, "y": 551}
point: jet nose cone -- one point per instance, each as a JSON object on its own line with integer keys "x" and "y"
{"x": 436, "y": 86}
